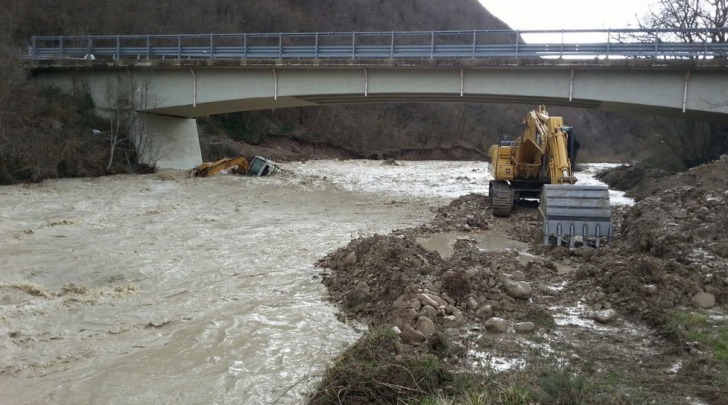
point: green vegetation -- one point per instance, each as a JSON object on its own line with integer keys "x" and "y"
{"x": 380, "y": 369}
{"x": 696, "y": 327}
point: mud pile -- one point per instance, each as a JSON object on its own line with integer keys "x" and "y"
{"x": 391, "y": 280}
{"x": 673, "y": 245}
{"x": 688, "y": 217}
{"x": 671, "y": 251}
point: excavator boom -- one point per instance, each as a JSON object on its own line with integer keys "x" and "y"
{"x": 258, "y": 166}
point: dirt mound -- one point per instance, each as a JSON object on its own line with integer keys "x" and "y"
{"x": 466, "y": 213}
{"x": 687, "y": 220}
{"x": 632, "y": 178}
{"x": 671, "y": 249}
{"x": 394, "y": 281}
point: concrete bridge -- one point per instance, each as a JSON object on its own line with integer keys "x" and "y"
{"x": 164, "y": 82}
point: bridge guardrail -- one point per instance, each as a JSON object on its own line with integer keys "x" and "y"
{"x": 604, "y": 43}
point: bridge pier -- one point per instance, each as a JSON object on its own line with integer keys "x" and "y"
{"x": 167, "y": 142}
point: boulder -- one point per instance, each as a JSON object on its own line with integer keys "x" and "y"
{"x": 454, "y": 319}
{"x": 519, "y": 289}
{"x": 430, "y": 299}
{"x": 524, "y": 327}
{"x": 648, "y": 289}
{"x": 703, "y": 300}
{"x": 350, "y": 259}
{"x": 410, "y": 335}
{"x": 485, "y": 312}
{"x": 472, "y": 304}
{"x": 496, "y": 325}
{"x": 429, "y": 312}
{"x": 425, "y": 326}
{"x": 606, "y": 316}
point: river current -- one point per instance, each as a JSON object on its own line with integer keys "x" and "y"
{"x": 160, "y": 288}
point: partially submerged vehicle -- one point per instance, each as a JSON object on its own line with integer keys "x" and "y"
{"x": 257, "y": 166}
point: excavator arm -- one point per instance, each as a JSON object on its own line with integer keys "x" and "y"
{"x": 258, "y": 166}
{"x": 240, "y": 164}
{"x": 538, "y": 165}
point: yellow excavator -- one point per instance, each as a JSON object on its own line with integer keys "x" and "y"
{"x": 258, "y": 166}
{"x": 538, "y": 165}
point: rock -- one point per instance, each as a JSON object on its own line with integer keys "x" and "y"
{"x": 429, "y": 311}
{"x": 710, "y": 289}
{"x": 410, "y": 335}
{"x": 396, "y": 330}
{"x": 415, "y": 304}
{"x": 455, "y": 318}
{"x": 472, "y": 303}
{"x": 648, "y": 289}
{"x": 350, "y": 259}
{"x": 518, "y": 276}
{"x": 524, "y": 327}
{"x": 432, "y": 300}
{"x": 496, "y": 325}
{"x": 606, "y": 316}
{"x": 520, "y": 290}
{"x": 400, "y": 303}
{"x": 485, "y": 312}
{"x": 703, "y": 300}
{"x": 426, "y": 326}
{"x": 451, "y": 320}
{"x": 470, "y": 273}
{"x": 597, "y": 306}
{"x": 363, "y": 287}
{"x": 410, "y": 314}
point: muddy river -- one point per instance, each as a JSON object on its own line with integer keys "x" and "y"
{"x": 165, "y": 289}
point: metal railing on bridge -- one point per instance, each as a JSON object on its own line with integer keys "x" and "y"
{"x": 602, "y": 43}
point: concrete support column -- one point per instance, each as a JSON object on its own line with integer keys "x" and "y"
{"x": 167, "y": 142}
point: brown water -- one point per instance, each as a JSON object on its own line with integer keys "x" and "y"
{"x": 165, "y": 289}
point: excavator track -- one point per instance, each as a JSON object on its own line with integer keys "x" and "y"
{"x": 501, "y": 198}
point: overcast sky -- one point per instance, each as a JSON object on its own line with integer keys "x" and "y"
{"x": 558, "y": 14}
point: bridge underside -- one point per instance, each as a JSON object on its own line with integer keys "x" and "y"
{"x": 228, "y": 106}
{"x": 189, "y": 91}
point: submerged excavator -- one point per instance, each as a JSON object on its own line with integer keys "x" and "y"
{"x": 538, "y": 165}
{"x": 258, "y": 166}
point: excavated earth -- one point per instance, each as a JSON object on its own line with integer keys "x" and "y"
{"x": 480, "y": 306}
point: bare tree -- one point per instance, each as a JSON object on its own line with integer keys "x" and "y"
{"x": 125, "y": 96}
{"x": 679, "y": 14}
{"x": 691, "y": 143}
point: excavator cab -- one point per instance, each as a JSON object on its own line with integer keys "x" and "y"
{"x": 260, "y": 166}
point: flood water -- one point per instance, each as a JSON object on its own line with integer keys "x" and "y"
{"x": 165, "y": 289}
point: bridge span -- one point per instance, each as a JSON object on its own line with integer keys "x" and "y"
{"x": 165, "y": 82}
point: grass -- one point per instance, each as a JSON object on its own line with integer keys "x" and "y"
{"x": 539, "y": 384}
{"x": 697, "y": 327}
{"x": 377, "y": 368}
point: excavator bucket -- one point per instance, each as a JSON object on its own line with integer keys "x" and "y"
{"x": 576, "y": 214}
